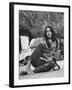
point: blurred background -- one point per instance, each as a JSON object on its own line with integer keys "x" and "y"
{"x": 32, "y": 25}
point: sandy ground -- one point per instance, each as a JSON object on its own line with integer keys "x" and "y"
{"x": 50, "y": 74}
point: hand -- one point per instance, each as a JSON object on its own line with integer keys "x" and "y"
{"x": 57, "y": 53}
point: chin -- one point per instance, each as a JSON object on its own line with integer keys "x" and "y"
{"x": 49, "y": 37}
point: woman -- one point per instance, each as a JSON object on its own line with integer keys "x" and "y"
{"x": 43, "y": 58}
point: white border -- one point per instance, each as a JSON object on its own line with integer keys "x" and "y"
{"x": 16, "y": 41}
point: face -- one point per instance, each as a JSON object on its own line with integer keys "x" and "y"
{"x": 48, "y": 32}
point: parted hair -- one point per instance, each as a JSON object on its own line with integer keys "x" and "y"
{"x": 54, "y": 37}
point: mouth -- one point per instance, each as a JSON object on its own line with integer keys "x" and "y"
{"x": 49, "y": 35}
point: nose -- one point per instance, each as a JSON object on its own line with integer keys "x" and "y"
{"x": 48, "y": 34}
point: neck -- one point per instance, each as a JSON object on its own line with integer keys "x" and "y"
{"x": 49, "y": 40}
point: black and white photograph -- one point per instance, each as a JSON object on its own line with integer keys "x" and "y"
{"x": 41, "y": 44}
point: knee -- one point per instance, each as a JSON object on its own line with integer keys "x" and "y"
{"x": 40, "y": 45}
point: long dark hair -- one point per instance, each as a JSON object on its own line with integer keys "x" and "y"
{"x": 54, "y": 37}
